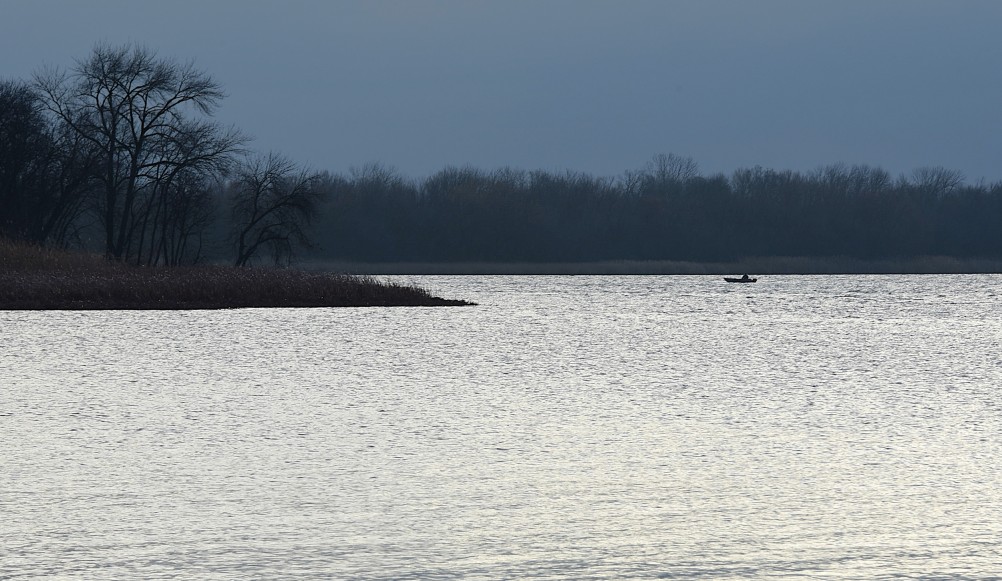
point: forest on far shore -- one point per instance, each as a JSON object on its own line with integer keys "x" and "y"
{"x": 664, "y": 211}
{"x": 119, "y": 154}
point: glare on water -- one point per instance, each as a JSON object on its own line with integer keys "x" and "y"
{"x": 567, "y": 427}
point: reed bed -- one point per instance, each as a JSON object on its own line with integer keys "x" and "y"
{"x": 34, "y": 278}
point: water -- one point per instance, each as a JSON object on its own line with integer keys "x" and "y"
{"x": 568, "y": 427}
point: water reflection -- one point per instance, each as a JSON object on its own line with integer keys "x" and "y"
{"x": 569, "y": 427}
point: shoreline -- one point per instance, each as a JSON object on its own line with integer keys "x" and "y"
{"x": 797, "y": 265}
{"x": 205, "y": 288}
{"x": 41, "y": 279}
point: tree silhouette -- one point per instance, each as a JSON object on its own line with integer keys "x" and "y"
{"x": 136, "y": 112}
{"x": 273, "y": 203}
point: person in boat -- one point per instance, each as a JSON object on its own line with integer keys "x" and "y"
{"x": 744, "y": 277}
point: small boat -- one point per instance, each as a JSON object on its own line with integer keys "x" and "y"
{"x": 742, "y": 279}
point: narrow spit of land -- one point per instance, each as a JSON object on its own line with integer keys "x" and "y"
{"x": 33, "y": 278}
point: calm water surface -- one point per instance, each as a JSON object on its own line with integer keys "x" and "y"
{"x": 568, "y": 427}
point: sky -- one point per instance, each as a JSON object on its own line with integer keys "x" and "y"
{"x": 581, "y": 85}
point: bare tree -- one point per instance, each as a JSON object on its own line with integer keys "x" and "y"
{"x": 843, "y": 181}
{"x": 273, "y": 203}
{"x": 177, "y": 207}
{"x": 183, "y": 210}
{"x": 43, "y": 176}
{"x": 130, "y": 107}
{"x": 24, "y": 145}
{"x": 937, "y": 181}
{"x": 665, "y": 174}
{"x": 672, "y": 168}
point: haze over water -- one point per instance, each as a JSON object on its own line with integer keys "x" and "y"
{"x": 568, "y": 427}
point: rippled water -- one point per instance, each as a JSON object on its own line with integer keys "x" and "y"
{"x": 568, "y": 427}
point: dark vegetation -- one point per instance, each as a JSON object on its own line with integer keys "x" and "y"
{"x": 664, "y": 212}
{"x": 119, "y": 155}
{"x": 32, "y": 277}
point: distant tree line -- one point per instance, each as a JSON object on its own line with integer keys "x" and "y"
{"x": 665, "y": 211}
{"x": 120, "y": 153}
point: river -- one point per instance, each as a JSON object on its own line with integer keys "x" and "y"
{"x": 584, "y": 427}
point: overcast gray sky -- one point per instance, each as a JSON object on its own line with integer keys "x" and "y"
{"x": 595, "y": 86}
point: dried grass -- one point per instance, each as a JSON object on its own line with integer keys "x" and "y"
{"x": 33, "y": 278}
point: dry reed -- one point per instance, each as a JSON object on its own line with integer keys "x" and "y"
{"x": 33, "y": 278}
